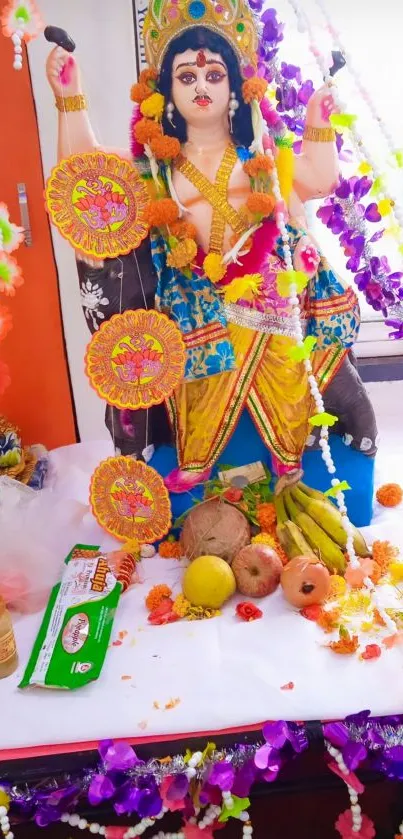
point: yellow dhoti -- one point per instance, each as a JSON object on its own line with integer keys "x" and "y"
{"x": 274, "y": 389}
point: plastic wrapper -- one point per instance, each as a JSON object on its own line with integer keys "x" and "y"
{"x": 35, "y": 535}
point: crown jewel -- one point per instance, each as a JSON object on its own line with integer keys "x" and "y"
{"x": 232, "y": 19}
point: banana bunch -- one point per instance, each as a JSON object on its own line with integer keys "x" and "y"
{"x": 309, "y": 524}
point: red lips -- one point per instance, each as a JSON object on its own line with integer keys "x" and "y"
{"x": 202, "y": 101}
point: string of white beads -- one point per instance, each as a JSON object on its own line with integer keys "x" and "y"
{"x": 247, "y": 829}
{"x": 210, "y": 816}
{"x": 5, "y": 823}
{"x": 16, "y": 38}
{"x": 75, "y": 820}
{"x": 356, "y": 813}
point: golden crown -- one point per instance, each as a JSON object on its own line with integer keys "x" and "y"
{"x": 233, "y": 19}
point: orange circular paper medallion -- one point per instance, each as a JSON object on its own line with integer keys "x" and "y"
{"x": 136, "y": 359}
{"x": 97, "y": 202}
{"x": 129, "y": 500}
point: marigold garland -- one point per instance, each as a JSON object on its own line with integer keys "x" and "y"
{"x": 160, "y": 212}
{"x": 146, "y": 130}
{"x": 140, "y": 92}
{"x": 149, "y": 74}
{"x": 182, "y": 254}
{"x": 258, "y": 164}
{"x": 181, "y": 605}
{"x": 170, "y": 550}
{"x": 383, "y": 554}
{"x": 183, "y": 229}
{"x": 389, "y": 495}
{"x": 266, "y": 516}
{"x": 271, "y": 542}
{"x": 261, "y": 203}
{"x": 153, "y": 106}
{"x": 165, "y": 148}
{"x": 254, "y": 88}
{"x": 156, "y": 595}
{"x": 214, "y": 267}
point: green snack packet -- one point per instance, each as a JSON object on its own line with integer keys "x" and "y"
{"x": 71, "y": 645}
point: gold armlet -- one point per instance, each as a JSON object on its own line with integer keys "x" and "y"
{"x": 319, "y": 135}
{"x": 71, "y": 103}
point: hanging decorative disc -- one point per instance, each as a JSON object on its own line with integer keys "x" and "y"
{"x": 129, "y": 500}
{"x": 97, "y": 202}
{"x": 136, "y": 359}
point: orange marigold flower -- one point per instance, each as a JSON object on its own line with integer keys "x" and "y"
{"x": 170, "y": 550}
{"x": 146, "y": 130}
{"x": 347, "y": 644}
{"x": 162, "y": 211}
{"x": 328, "y": 621}
{"x": 140, "y": 91}
{"x": 378, "y": 619}
{"x": 182, "y": 254}
{"x": 266, "y": 516}
{"x": 259, "y": 202}
{"x": 156, "y": 595}
{"x": 256, "y": 165}
{"x": 383, "y": 553}
{"x": 148, "y": 75}
{"x": 183, "y": 229}
{"x": 165, "y": 148}
{"x": 389, "y": 495}
{"x": 254, "y": 88}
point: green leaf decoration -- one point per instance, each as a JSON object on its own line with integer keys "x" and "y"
{"x": 398, "y": 155}
{"x": 240, "y": 804}
{"x": 319, "y": 420}
{"x": 342, "y": 486}
{"x": 304, "y": 352}
{"x": 342, "y": 120}
{"x": 377, "y": 186}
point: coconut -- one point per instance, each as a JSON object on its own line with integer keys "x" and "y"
{"x": 214, "y": 528}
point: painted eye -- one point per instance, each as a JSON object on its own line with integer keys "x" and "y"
{"x": 215, "y": 76}
{"x": 187, "y": 78}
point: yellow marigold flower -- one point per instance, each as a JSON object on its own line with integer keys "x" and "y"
{"x": 214, "y": 267}
{"x": 153, "y": 106}
{"x": 264, "y": 539}
{"x": 396, "y": 572}
{"x": 182, "y": 254}
{"x": 243, "y": 288}
{"x": 181, "y": 606}
{"x": 338, "y": 586}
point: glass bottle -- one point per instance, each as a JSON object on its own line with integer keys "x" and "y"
{"x": 8, "y": 649}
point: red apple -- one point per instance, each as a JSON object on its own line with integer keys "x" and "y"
{"x": 257, "y": 570}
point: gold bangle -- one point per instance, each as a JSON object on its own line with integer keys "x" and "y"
{"x": 71, "y": 103}
{"x": 319, "y": 135}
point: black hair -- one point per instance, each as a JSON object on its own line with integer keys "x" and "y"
{"x": 199, "y": 37}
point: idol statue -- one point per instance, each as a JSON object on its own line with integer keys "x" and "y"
{"x": 228, "y": 242}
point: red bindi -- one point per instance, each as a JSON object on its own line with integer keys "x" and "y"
{"x": 201, "y": 59}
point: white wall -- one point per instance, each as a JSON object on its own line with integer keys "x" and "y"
{"x": 103, "y": 32}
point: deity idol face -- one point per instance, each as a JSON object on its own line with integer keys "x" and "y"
{"x": 200, "y": 87}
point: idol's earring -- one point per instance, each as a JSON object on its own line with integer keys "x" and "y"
{"x": 170, "y": 112}
{"x": 232, "y": 108}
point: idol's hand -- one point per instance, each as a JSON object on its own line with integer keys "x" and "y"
{"x": 63, "y": 73}
{"x": 321, "y": 106}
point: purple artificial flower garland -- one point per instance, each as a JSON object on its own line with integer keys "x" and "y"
{"x": 345, "y": 213}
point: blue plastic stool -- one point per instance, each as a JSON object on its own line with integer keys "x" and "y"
{"x": 246, "y": 446}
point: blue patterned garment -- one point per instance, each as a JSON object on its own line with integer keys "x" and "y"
{"x": 193, "y": 304}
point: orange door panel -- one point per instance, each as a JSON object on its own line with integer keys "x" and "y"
{"x": 39, "y": 397}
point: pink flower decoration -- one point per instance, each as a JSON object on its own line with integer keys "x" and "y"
{"x": 344, "y": 825}
{"x": 172, "y": 805}
{"x": 349, "y": 779}
{"x": 136, "y": 148}
{"x": 192, "y": 831}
